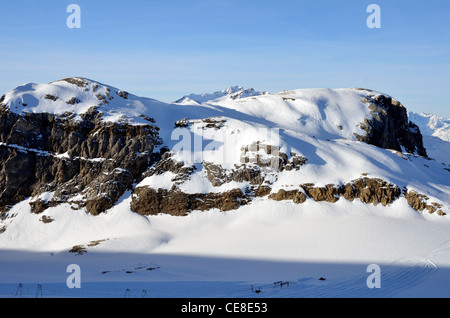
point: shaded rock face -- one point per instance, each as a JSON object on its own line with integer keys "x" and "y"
{"x": 390, "y": 128}
{"x": 89, "y": 163}
{"x": 167, "y": 164}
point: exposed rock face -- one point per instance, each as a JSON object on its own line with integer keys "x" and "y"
{"x": 283, "y": 195}
{"x": 167, "y": 164}
{"x": 390, "y": 128}
{"x": 88, "y": 162}
{"x": 419, "y": 202}
{"x": 148, "y": 201}
{"x": 367, "y": 190}
{"x": 258, "y": 171}
{"x": 257, "y": 162}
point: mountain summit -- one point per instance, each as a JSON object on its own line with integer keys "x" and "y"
{"x": 231, "y": 92}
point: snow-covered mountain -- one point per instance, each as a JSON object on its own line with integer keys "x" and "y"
{"x": 432, "y": 125}
{"x": 436, "y": 134}
{"x": 302, "y": 175}
{"x": 231, "y": 92}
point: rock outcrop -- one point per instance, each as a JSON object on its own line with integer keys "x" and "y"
{"x": 389, "y": 127}
{"x": 368, "y": 190}
{"x": 148, "y": 201}
{"x": 87, "y": 162}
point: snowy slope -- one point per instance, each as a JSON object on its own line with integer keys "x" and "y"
{"x": 223, "y": 254}
{"x": 216, "y": 253}
{"x": 315, "y": 112}
{"x": 77, "y": 96}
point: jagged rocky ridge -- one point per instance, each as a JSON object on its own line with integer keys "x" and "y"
{"x": 89, "y": 162}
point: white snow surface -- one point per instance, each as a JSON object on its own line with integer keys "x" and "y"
{"x": 216, "y": 254}
{"x": 77, "y": 97}
{"x": 223, "y": 254}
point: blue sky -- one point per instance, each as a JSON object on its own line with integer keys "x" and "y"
{"x": 169, "y": 48}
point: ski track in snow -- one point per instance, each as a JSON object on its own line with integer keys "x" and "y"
{"x": 393, "y": 280}
{"x": 399, "y": 276}
{"x": 396, "y": 277}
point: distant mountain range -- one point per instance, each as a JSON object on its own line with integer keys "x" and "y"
{"x": 436, "y": 134}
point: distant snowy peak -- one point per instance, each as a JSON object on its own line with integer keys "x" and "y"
{"x": 77, "y": 96}
{"x": 432, "y": 125}
{"x": 231, "y": 92}
{"x": 436, "y": 135}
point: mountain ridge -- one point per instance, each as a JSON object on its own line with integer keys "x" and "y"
{"x": 84, "y": 143}
{"x": 436, "y": 134}
{"x": 232, "y": 92}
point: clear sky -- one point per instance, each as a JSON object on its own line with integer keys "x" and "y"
{"x": 169, "y": 48}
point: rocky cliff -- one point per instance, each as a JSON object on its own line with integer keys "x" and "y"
{"x": 63, "y": 158}
{"x": 89, "y": 163}
{"x": 389, "y": 127}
